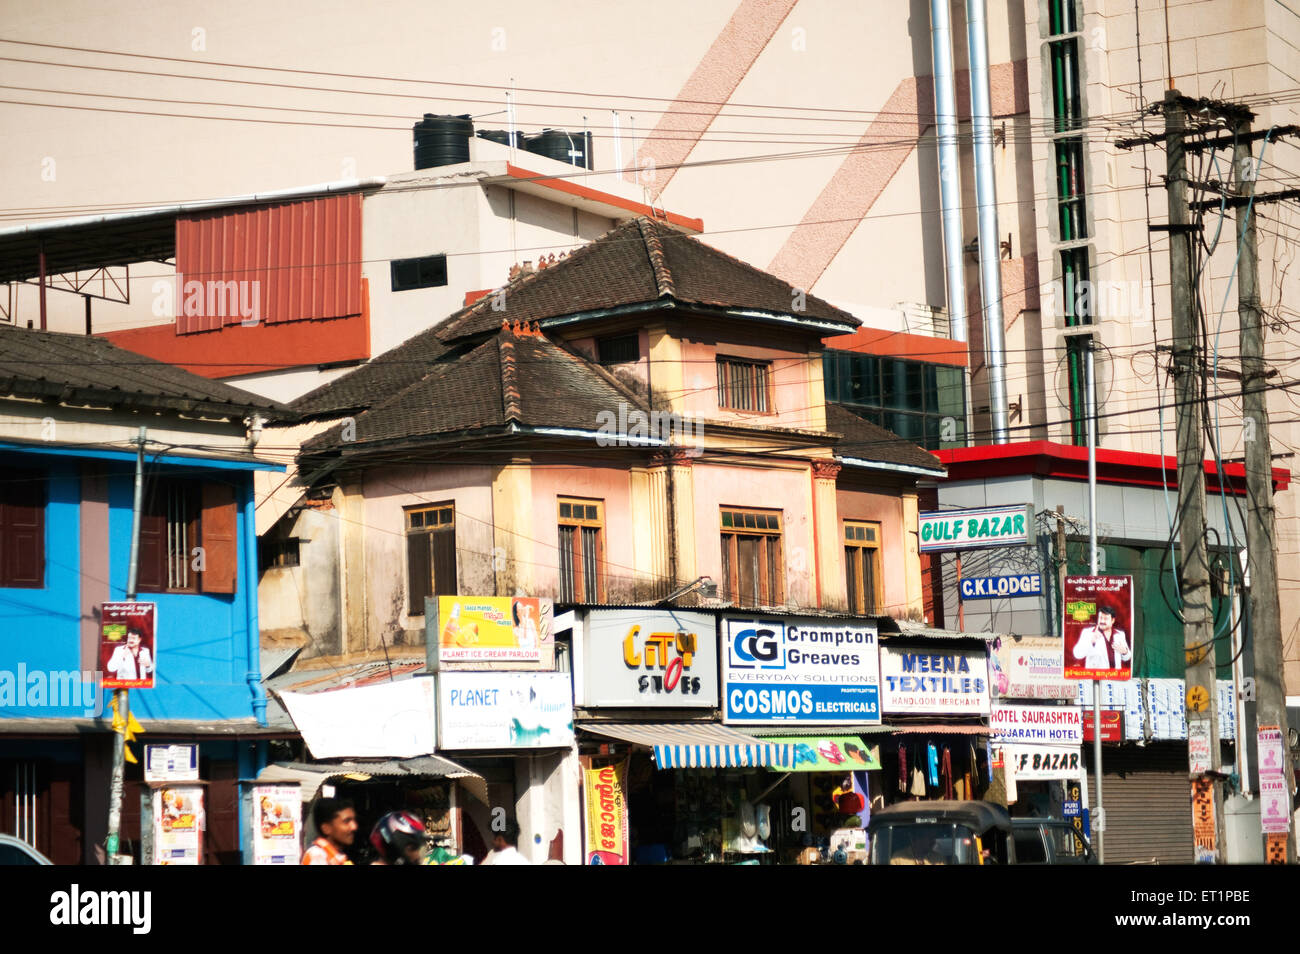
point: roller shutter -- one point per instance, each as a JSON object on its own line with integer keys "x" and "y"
{"x": 1147, "y": 796}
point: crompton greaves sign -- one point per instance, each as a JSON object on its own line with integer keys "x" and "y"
{"x": 653, "y": 658}
{"x": 972, "y": 529}
{"x": 993, "y": 587}
{"x": 930, "y": 681}
{"x": 1057, "y": 725}
{"x": 800, "y": 670}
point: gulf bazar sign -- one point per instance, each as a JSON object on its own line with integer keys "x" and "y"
{"x": 648, "y": 658}
{"x": 935, "y": 681}
{"x": 973, "y": 529}
{"x": 800, "y": 670}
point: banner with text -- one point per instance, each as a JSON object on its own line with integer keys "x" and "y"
{"x": 1049, "y": 725}
{"x": 1031, "y": 667}
{"x": 953, "y": 683}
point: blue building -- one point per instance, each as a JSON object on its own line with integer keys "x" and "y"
{"x": 71, "y": 408}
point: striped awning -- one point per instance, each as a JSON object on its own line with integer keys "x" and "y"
{"x": 679, "y": 745}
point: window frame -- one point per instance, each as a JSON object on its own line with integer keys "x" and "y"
{"x": 429, "y": 531}
{"x": 37, "y": 481}
{"x": 156, "y": 510}
{"x": 759, "y": 391}
{"x": 771, "y": 570}
{"x": 604, "y": 361}
{"x": 579, "y": 588}
{"x": 418, "y": 263}
{"x": 854, "y": 573}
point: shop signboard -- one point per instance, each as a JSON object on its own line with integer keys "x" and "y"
{"x": 1001, "y": 587}
{"x": 277, "y": 824}
{"x": 1099, "y": 633}
{"x": 388, "y": 720}
{"x": 505, "y": 710}
{"x": 178, "y": 824}
{"x": 171, "y": 763}
{"x": 1031, "y": 667}
{"x": 951, "y": 682}
{"x": 975, "y": 529}
{"x": 1032, "y": 763}
{"x": 605, "y": 801}
{"x": 824, "y": 753}
{"x": 495, "y": 629}
{"x": 1112, "y": 725}
{"x": 1043, "y": 725}
{"x": 128, "y": 647}
{"x": 800, "y": 670}
{"x": 648, "y": 659}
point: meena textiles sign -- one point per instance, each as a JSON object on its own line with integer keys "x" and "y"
{"x": 505, "y": 710}
{"x": 800, "y": 670}
{"x": 1055, "y": 725}
{"x": 1098, "y": 627}
{"x": 495, "y": 629}
{"x": 953, "y": 682}
{"x": 654, "y": 658}
{"x": 1032, "y": 667}
{"x": 973, "y": 529}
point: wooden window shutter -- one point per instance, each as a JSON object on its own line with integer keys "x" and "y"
{"x": 23, "y": 532}
{"x": 152, "y": 572}
{"x": 444, "y": 561}
{"x": 419, "y": 572}
{"x": 219, "y": 538}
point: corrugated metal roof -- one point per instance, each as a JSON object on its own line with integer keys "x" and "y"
{"x": 311, "y": 775}
{"x": 941, "y": 728}
{"x": 811, "y": 730}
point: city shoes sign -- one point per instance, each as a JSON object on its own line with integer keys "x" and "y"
{"x": 973, "y": 529}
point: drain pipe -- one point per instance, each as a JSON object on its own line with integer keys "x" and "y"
{"x": 986, "y": 198}
{"x": 945, "y": 118}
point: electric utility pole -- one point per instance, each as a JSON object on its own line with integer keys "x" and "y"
{"x": 1198, "y": 617}
{"x": 121, "y": 697}
{"x": 1265, "y": 612}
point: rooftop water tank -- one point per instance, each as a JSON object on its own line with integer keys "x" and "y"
{"x": 442, "y": 140}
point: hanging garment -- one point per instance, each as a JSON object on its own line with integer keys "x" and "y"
{"x": 947, "y": 773}
{"x": 918, "y": 782}
{"x": 902, "y": 768}
{"x": 932, "y": 763}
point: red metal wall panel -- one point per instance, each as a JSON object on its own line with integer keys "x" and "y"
{"x": 296, "y": 261}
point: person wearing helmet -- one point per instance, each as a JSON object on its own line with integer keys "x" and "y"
{"x": 398, "y": 838}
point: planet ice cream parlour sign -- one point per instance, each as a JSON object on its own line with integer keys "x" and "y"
{"x": 973, "y": 529}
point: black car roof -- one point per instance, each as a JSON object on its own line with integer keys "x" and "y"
{"x": 979, "y": 816}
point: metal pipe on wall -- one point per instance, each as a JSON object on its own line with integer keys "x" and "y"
{"x": 986, "y": 200}
{"x": 945, "y": 117}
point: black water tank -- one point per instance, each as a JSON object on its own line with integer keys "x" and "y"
{"x": 558, "y": 143}
{"x": 442, "y": 140}
{"x": 502, "y": 136}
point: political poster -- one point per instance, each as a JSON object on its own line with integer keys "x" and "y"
{"x": 128, "y": 651}
{"x": 955, "y": 682}
{"x": 811, "y": 670}
{"x": 277, "y": 824}
{"x": 178, "y": 823}
{"x": 495, "y": 629}
{"x": 1047, "y": 725}
{"x": 1099, "y": 636}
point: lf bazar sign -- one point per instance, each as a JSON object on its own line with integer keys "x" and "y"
{"x": 654, "y": 658}
{"x": 973, "y": 529}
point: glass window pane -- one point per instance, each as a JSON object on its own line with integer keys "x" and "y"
{"x": 417, "y": 518}
{"x": 726, "y": 518}
{"x": 591, "y": 512}
{"x": 566, "y": 510}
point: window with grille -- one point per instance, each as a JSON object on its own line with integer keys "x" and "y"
{"x": 22, "y": 528}
{"x": 743, "y": 385}
{"x": 618, "y": 349}
{"x": 752, "y": 570}
{"x": 427, "y": 272}
{"x": 169, "y": 536}
{"x": 430, "y": 554}
{"x": 862, "y": 565}
{"x": 280, "y": 553}
{"x": 582, "y": 546}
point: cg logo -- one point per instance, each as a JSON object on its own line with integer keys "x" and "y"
{"x": 756, "y": 649}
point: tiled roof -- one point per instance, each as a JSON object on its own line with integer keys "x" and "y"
{"x": 86, "y": 369}
{"x": 516, "y": 376}
{"x": 640, "y": 261}
{"x": 866, "y": 441}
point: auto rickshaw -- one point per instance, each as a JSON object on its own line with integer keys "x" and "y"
{"x": 941, "y": 833}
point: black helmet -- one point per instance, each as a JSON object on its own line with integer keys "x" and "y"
{"x": 394, "y": 834}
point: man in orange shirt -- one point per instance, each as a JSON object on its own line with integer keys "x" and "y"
{"x": 336, "y": 821}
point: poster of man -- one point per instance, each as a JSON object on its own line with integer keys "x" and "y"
{"x": 1099, "y": 637}
{"x": 127, "y": 644}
